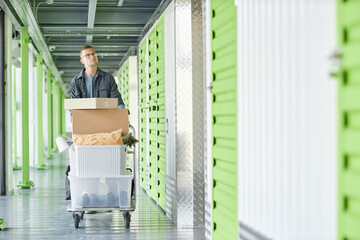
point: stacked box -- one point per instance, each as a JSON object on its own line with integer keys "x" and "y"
{"x": 98, "y": 176}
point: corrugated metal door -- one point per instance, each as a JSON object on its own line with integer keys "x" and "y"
{"x": 160, "y": 99}
{"x": 349, "y": 120}
{"x": 224, "y": 129}
{"x": 143, "y": 108}
{"x": 126, "y": 95}
{"x": 120, "y": 81}
{"x": 152, "y": 116}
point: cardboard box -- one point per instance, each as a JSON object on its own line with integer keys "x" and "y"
{"x": 91, "y": 103}
{"x": 100, "y": 121}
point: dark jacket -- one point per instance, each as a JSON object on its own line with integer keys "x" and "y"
{"x": 104, "y": 86}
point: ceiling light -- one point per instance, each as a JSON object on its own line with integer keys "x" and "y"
{"x": 120, "y": 3}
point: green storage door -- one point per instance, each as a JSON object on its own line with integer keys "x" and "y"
{"x": 349, "y": 120}
{"x": 224, "y": 130}
{"x": 152, "y": 116}
{"x": 126, "y": 97}
{"x": 160, "y": 120}
{"x": 120, "y": 77}
{"x": 143, "y": 139}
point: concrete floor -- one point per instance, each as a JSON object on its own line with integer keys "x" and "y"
{"x": 41, "y": 213}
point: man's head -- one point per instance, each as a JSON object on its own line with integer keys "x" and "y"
{"x": 88, "y": 56}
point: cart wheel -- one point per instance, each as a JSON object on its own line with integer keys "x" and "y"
{"x": 127, "y": 218}
{"x": 76, "y": 220}
{"x": 82, "y": 215}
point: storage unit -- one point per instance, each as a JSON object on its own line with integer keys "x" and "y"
{"x": 348, "y": 120}
{"x": 224, "y": 111}
{"x": 126, "y": 92}
{"x": 153, "y": 153}
{"x": 160, "y": 115}
{"x": 143, "y": 114}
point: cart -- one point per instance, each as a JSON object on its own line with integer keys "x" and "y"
{"x": 78, "y": 213}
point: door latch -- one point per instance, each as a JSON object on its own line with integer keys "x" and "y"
{"x": 335, "y": 62}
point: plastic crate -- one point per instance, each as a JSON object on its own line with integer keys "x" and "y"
{"x": 72, "y": 160}
{"x": 102, "y": 192}
{"x": 100, "y": 160}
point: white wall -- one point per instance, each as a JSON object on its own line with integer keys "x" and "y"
{"x": 287, "y": 119}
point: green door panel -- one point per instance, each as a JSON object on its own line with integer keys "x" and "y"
{"x": 224, "y": 111}
{"x": 349, "y": 120}
{"x": 160, "y": 108}
{"x": 143, "y": 100}
{"x": 154, "y": 51}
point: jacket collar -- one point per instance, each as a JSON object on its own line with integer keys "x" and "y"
{"x": 81, "y": 74}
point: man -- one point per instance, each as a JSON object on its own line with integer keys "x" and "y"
{"x": 92, "y": 82}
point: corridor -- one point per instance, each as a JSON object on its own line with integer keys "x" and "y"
{"x": 41, "y": 213}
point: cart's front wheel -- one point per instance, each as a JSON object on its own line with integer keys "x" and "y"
{"x": 127, "y": 219}
{"x": 76, "y": 220}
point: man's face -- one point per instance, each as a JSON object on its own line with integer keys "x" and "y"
{"x": 88, "y": 57}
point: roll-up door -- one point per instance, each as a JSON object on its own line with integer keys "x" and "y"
{"x": 224, "y": 129}
{"x": 349, "y": 120}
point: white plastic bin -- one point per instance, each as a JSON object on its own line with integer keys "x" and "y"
{"x": 102, "y": 192}
{"x": 100, "y": 160}
{"x": 72, "y": 160}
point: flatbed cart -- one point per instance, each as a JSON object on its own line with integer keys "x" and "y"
{"x": 78, "y": 213}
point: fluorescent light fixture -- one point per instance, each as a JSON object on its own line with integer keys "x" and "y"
{"x": 120, "y": 3}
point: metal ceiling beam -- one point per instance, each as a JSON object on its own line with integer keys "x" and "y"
{"x": 75, "y": 63}
{"x": 6, "y": 9}
{"x": 94, "y": 33}
{"x": 91, "y": 19}
{"x": 76, "y": 45}
{"x": 26, "y": 15}
{"x": 76, "y": 54}
{"x": 119, "y": 28}
{"x": 110, "y": 17}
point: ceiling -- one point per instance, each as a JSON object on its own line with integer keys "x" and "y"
{"x": 67, "y": 25}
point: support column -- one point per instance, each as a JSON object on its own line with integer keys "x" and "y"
{"x": 25, "y": 183}
{"x": 55, "y": 113}
{"x": 40, "y": 138}
{"x": 14, "y": 119}
{"x": 49, "y": 119}
{"x": 63, "y": 114}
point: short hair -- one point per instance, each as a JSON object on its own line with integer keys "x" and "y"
{"x": 84, "y": 48}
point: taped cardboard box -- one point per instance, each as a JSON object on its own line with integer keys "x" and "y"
{"x": 92, "y": 121}
{"x": 91, "y": 103}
